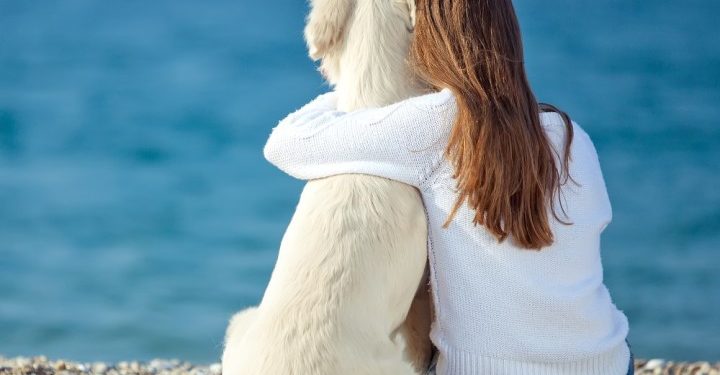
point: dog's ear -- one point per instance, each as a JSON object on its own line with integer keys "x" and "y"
{"x": 413, "y": 10}
{"x": 326, "y": 25}
{"x": 407, "y": 9}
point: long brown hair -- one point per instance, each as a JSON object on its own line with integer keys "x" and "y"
{"x": 504, "y": 164}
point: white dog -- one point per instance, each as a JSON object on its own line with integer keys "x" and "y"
{"x": 347, "y": 295}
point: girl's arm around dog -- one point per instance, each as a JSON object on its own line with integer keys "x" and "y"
{"x": 404, "y": 141}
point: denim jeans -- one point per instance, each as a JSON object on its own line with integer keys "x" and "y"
{"x": 631, "y": 365}
{"x": 631, "y": 370}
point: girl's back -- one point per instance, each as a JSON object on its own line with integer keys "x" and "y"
{"x": 501, "y": 308}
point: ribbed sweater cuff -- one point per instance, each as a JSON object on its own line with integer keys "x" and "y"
{"x": 613, "y": 362}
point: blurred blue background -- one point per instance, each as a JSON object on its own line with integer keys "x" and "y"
{"x": 137, "y": 213}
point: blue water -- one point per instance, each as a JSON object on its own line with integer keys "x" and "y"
{"x": 137, "y": 213}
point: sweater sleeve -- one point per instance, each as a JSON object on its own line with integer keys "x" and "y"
{"x": 403, "y": 141}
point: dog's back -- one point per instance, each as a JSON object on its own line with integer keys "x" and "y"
{"x": 354, "y": 253}
{"x": 334, "y": 298}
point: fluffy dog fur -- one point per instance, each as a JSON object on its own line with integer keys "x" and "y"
{"x": 347, "y": 295}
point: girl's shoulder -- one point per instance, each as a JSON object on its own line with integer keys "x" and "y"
{"x": 432, "y": 112}
{"x": 433, "y": 100}
{"x": 425, "y": 109}
{"x": 554, "y": 124}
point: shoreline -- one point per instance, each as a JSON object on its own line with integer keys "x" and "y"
{"x": 41, "y": 365}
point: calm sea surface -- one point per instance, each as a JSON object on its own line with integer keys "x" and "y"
{"x": 137, "y": 213}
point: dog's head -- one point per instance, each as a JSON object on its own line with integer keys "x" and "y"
{"x": 350, "y": 37}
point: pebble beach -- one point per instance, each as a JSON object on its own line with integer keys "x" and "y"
{"x": 43, "y": 366}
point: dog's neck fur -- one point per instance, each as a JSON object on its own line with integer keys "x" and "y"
{"x": 370, "y": 67}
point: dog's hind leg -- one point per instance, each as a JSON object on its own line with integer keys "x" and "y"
{"x": 239, "y": 324}
{"x": 416, "y": 328}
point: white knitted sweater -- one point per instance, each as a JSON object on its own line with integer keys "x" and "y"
{"x": 499, "y": 309}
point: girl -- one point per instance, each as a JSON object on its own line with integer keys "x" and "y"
{"x": 513, "y": 190}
